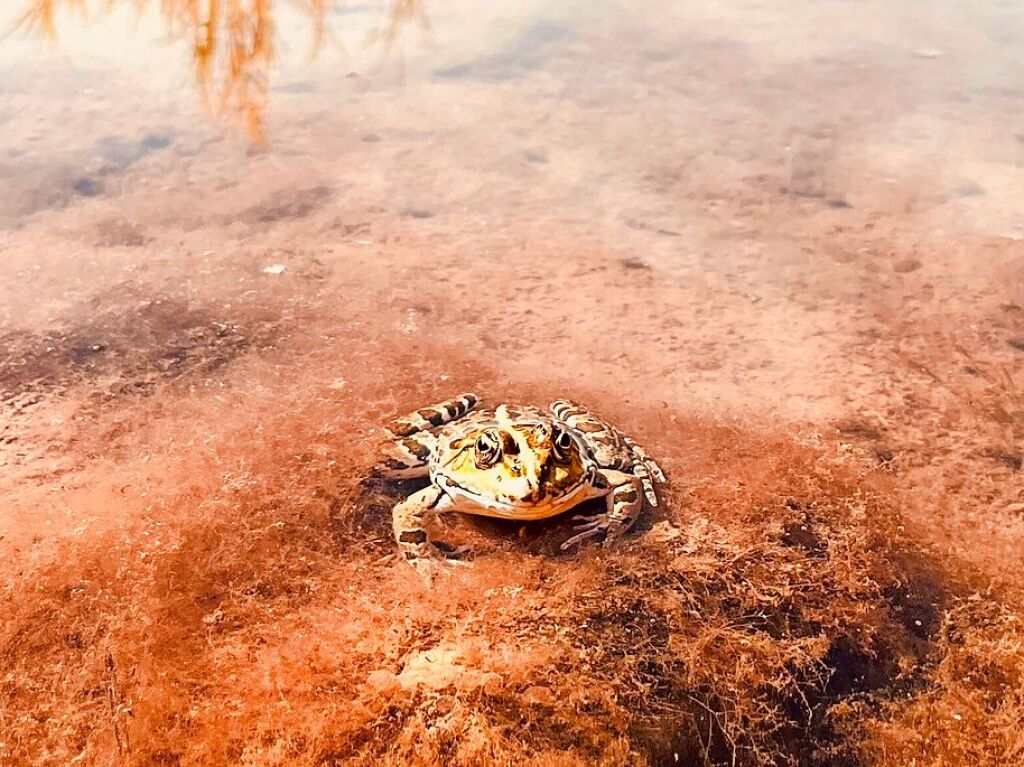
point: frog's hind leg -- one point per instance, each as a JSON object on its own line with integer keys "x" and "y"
{"x": 619, "y": 451}
{"x": 432, "y": 416}
{"x": 412, "y": 442}
{"x": 607, "y": 441}
{"x": 579, "y": 418}
{"x": 650, "y": 463}
{"x": 624, "y": 504}
{"x": 407, "y": 457}
{"x": 647, "y": 469}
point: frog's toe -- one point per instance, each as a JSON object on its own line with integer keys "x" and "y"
{"x": 612, "y": 535}
{"x": 434, "y": 568}
{"x": 591, "y": 528}
{"x": 455, "y": 554}
{"x": 426, "y": 568}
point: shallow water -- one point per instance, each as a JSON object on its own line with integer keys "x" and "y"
{"x": 792, "y": 217}
{"x": 741, "y": 209}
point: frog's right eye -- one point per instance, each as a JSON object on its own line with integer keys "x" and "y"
{"x": 487, "y": 449}
{"x": 562, "y": 442}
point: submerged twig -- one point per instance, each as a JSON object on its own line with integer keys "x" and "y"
{"x": 232, "y": 42}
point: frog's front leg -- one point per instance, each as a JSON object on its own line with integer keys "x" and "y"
{"x": 624, "y": 504}
{"x": 409, "y": 522}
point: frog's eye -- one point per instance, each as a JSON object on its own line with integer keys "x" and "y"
{"x": 562, "y": 443}
{"x": 487, "y": 449}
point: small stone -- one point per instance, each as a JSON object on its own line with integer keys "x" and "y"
{"x": 492, "y": 683}
{"x": 663, "y": 532}
{"x": 537, "y": 695}
{"x": 274, "y": 269}
{"x": 444, "y": 705}
{"x": 970, "y": 189}
{"x": 383, "y": 682}
{"x": 884, "y": 455}
{"x": 211, "y": 619}
{"x": 87, "y": 187}
{"x": 907, "y": 265}
{"x": 154, "y": 142}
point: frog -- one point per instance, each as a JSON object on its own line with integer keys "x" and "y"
{"x": 513, "y": 462}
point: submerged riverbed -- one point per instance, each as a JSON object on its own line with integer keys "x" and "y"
{"x": 780, "y": 243}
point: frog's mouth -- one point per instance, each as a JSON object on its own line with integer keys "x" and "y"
{"x": 540, "y": 505}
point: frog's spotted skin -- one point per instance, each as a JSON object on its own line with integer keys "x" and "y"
{"x": 514, "y": 462}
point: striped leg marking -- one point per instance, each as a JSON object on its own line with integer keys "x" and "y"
{"x": 650, "y": 463}
{"x": 578, "y": 417}
{"x": 408, "y": 456}
{"x": 432, "y": 416}
{"x": 646, "y": 468}
{"x": 409, "y": 522}
{"x": 625, "y": 501}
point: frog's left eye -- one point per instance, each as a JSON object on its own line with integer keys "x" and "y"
{"x": 487, "y": 449}
{"x": 562, "y": 442}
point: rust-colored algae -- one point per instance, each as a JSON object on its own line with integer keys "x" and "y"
{"x": 782, "y": 613}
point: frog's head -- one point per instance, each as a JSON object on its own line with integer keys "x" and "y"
{"x": 517, "y": 469}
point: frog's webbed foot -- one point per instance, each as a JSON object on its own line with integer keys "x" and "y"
{"x": 435, "y": 568}
{"x": 625, "y": 501}
{"x": 409, "y": 521}
{"x": 589, "y": 527}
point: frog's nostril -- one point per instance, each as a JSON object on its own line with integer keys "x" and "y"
{"x": 534, "y": 492}
{"x": 509, "y": 445}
